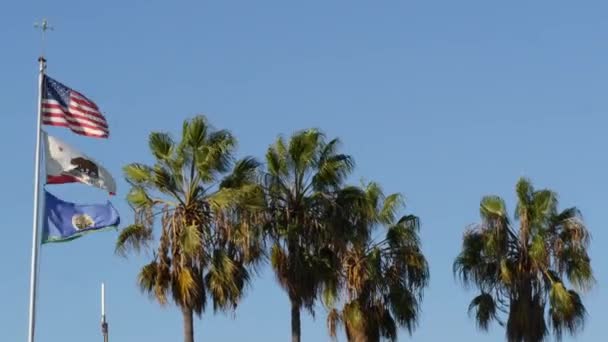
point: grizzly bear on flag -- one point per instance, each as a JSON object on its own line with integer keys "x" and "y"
{"x": 65, "y": 164}
{"x": 85, "y": 166}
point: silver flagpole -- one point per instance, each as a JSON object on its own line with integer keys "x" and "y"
{"x": 35, "y": 233}
{"x": 104, "y": 324}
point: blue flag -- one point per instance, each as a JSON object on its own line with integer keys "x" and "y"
{"x": 64, "y": 221}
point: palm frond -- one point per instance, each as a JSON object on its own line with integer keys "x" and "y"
{"x": 216, "y": 156}
{"x": 410, "y": 223}
{"x": 138, "y": 198}
{"x": 161, "y": 145}
{"x": 165, "y": 182}
{"x": 334, "y": 321}
{"x": 404, "y": 306}
{"x": 133, "y": 238}
{"x": 507, "y": 272}
{"x": 524, "y": 191}
{"x": 243, "y": 173}
{"x": 544, "y": 206}
{"x": 225, "y": 280}
{"x": 570, "y": 227}
{"x": 279, "y": 261}
{"x": 248, "y": 197}
{"x": 485, "y": 310}
{"x": 332, "y": 172}
{"x": 470, "y": 263}
{"x": 493, "y": 208}
{"x": 276, "y": 158}
{"x": 330, "y": 295}
{"x": 185, "y": 287}
{"x": 353, "y": 317}
{"x": 403, "y": 234}
{"x": 388, "y": 327}
{"x": 147, "y": 277}
{"x": 538, "y": 251}
{"x": 392, "y": 204}
{"x": 195, "y": 131}
{"x": 566, "y": 311}
{"x": 329, "y": 150}
{"x": 191, "y": 240}
{"x": 302, "y": 148}
{"x": 138, "y": 174}
{"x": 577, "y": 265}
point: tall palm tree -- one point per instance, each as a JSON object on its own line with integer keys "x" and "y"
{"x": 520, "y": 271}
{"x": 383, "y": 280}
{"x": 207, "y": 243}
{"x": 302, "y": 183}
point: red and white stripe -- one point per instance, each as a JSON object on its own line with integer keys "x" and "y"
{"x": 82, "y": 116}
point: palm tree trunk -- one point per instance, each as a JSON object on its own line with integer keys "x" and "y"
{"x": 188, "y": 325}
{"x": 295, "y": 322}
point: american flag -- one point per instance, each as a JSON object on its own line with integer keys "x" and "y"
{"x": 62, "y": 106}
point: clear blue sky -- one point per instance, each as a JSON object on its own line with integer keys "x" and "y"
{"x": 444, "y": 101}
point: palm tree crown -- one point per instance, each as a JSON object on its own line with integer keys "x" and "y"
{"x": 520, "y": 271}
{"x": 302, "y": 183}
{"x": 383, "y": 280}
{"x": 207, "y": 240}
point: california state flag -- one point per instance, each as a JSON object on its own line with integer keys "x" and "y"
{"x": 64, "y": 164}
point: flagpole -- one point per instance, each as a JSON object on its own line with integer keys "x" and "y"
{"x": 43, "y": 26}
{"x": 35, "y": 224}
{"x": 104, "y": 324}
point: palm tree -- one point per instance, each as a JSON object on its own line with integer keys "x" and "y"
{"x": 207, "y": 243}
{"x": 384, "y": 280}
{"x": 520, "y": 272}
{"x": 302, "y": 183}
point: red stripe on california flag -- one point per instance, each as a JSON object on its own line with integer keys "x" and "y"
{"x": 61, "y": 179}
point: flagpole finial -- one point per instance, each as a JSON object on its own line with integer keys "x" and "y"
{"x": 43, "y": 26}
